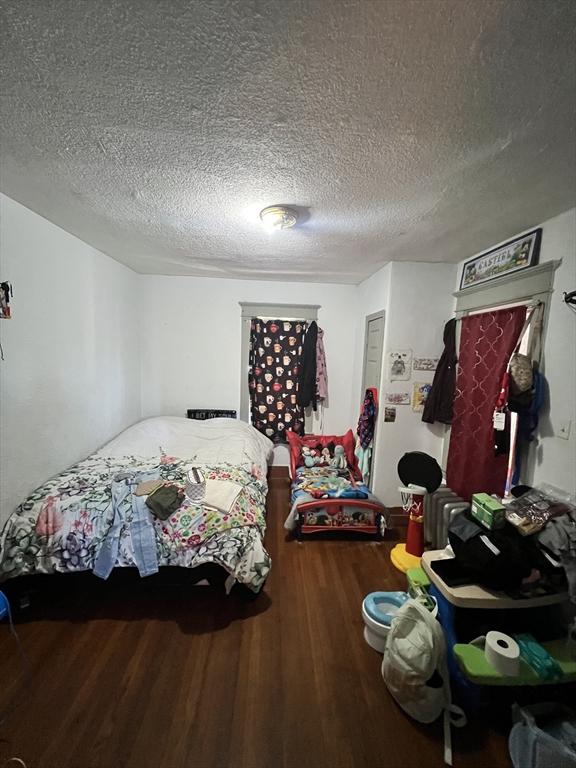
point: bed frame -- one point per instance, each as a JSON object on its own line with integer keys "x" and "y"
{"x": 338, "y": 515}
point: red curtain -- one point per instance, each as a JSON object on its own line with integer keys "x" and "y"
{"x": 486, "y": 344}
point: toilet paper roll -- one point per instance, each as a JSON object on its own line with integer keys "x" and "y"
{"x": 502, "y": 652}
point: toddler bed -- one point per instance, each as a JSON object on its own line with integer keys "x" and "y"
{"x": 327, "y": 491}
{"x": 65, "y": 525}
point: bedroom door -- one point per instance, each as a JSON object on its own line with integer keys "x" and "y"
{"x": 373, "y": 345}
{"x": 372, "y": 368}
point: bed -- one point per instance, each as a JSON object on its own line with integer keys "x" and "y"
{"x": 61, "y": 526}
{"x": 328, "y": 494}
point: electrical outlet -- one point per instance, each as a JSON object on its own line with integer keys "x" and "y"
{"x": 564, "y": 430}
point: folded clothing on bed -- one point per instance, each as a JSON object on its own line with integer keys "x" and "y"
{"x": 165, "y": 500}
{"x": 221, "y": 494}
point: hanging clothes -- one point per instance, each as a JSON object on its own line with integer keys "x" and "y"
{"x": 528, "y": 418}
{"x": 367, "y": 420}
{"x": 307, "y": 382}
{"x": 273, "y": 376}
{"x": 321, "y": 372}
{"x": 439, "y": 404}
{"x": 365, "y": 432}
{"x": 487, "y": 341}
{"x": 364, "y": 456}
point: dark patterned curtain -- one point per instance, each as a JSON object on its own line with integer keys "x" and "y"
{"x": 275, "y": 352}
{"x": 486, "y": 344}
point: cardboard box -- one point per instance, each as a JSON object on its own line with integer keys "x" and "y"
{"x": 488, "y": 511}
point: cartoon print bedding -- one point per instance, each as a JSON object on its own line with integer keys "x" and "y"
{"x": 326, "y": 483}
{"x": 316, "y": 483}
{"x": 60, "y": 527}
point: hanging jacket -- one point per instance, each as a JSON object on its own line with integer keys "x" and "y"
{"x": 438, "y": 406}
{"x": 528, "y": 417}
{"x": 367, "y": 420}
{"x": 321, "y": 373}
{"x": 307, "y": 381}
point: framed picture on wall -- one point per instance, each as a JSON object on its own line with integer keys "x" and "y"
{"x": 521, "y": 253}
{"x": 399, "y": 364}
{"x": 397, "y": 398}
{"x": 420, "y": 392}
{"x": 425, "y": 364}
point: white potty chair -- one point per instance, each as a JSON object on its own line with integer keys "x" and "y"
{"x": 378, "y": 610}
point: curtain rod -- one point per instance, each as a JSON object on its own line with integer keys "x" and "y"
{"x": 528, "y": 303}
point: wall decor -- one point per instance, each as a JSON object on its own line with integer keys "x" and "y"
{"x": 397, "y": 398}
{"x": 201, "y": 414}
{"x": 5, "y": 296}
{"x": 420, "y": 392}
{"x": 390, "y": 414}
{"x": 399, "y": 364}
{"x": 511, "y": 257}
{"x": 425, "y": 363}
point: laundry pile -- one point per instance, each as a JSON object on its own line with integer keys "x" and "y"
{"x": 531, "y": 551}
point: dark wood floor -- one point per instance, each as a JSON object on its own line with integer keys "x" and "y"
{"x": 166, "y": 676}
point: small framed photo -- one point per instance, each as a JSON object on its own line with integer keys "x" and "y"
{"x": 390, "y": 414}
{"x": 521, "y": 253}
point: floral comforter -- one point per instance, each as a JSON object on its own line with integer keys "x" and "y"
{"x": 60, "y": 527}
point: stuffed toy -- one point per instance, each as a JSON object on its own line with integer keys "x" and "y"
{"x": 339, "y": 460}
{"x": 310, "y": 456}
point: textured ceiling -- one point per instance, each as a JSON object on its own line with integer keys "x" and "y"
{"x": 156, "y": 131}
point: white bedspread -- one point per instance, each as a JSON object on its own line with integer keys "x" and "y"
{"x": 214, "y": 441}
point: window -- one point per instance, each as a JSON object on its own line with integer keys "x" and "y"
{"x": 289, "y": 313}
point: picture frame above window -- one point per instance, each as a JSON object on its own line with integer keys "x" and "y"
{"x": 513, "y": 256}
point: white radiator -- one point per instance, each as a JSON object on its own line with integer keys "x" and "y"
{"x": 439, "y": 509}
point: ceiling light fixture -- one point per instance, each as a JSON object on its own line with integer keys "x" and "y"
{"x": 278, "y": 217}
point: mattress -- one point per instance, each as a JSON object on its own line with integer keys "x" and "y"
{"x": 214, "y": 441}
{"x": 61, "y": 526}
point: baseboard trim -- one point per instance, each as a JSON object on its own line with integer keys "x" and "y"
{"x": 278, "y": 473}
{"x": 398, "y": 518}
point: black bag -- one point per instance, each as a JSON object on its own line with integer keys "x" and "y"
{"x": 498, "y": 559}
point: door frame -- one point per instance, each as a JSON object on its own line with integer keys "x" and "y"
{"x": 373, "y": 316}
{"x": 381, "y": 313}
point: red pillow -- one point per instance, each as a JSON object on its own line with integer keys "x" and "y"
{"x": 296, "y": 442}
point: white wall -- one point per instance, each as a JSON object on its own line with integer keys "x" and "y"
{"x": 420, "y": 302}
{"x": 417, "y": 299}
{"x": 70, "y": 378}
{"x": 191, "y": 338}
{"x": 93, "y": 347}
{"x": 372, "y": 295}
{"x": 553, "y": 459}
